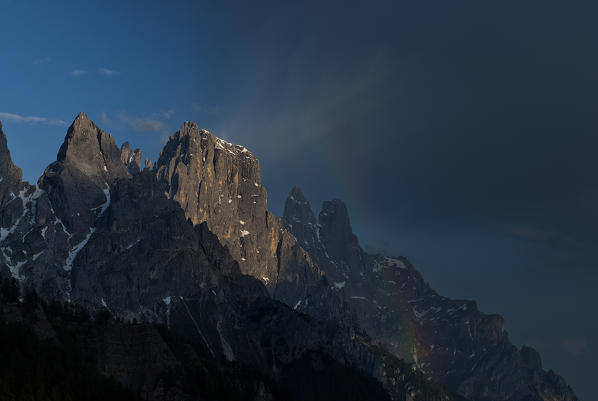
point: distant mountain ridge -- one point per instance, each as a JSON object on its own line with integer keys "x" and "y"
{"x": 189, "y": 242}
{"x": 450, "y": 340}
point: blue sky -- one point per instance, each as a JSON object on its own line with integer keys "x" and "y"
{"x": 460, "y": 134}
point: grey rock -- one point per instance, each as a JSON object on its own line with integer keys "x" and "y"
{"x": 219, "y": 183}
{"x": 131, "y": 158}
{"x": 450, "y": 340}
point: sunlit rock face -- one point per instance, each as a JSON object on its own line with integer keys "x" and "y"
{"x": 219, "y": 183}
{"x": 448, "y": 339}
{"x": 132, "y": 158}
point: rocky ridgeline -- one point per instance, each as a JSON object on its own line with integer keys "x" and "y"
{"x": 450, "y": 340}
{"x": 97, "y": 231}
{"x": 219, "y": 183}
{"x": 189, "y": 242}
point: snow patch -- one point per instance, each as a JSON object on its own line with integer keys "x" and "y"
{"x": 132, "y": 245}
{"x": 68, "y": 266}
{"x": 340, "y": 285}
{"x": 106, "y": 204}
{"x": 244, "y": 233}
{"x": 167, "y": 300}
{"x": 226, "y": 348}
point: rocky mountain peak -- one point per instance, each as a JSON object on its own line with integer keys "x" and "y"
{"x": 131, "y": 158}
{"x": 335, "y": 216}
{"x": 10, "y": 175}
{"x": 297, "y": 209}
{"x": 336, "y": 232}
{"x": 92, "y": 151}
{"x": 219, "y": 183}
{"x": 88, "y": 162}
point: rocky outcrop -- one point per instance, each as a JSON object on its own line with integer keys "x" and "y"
{"x": 219, "y": 183}
{"x": 448, "y": 339}
{"x": 47, "y": 225}
{"x": 10, "y": 175}
{"x": 131, "y": 158}
{"x": 88, "y": 162}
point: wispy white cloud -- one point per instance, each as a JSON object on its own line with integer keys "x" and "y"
{"x": 165, "y": 115}
{"x": 107, "y": 72}
{"x": 17, "y": 118}
{"x": 138, "y": 124}
{"x": 104, "y": 118}
{"x": 42, "y": 60}
{"x": 77, "y": 73}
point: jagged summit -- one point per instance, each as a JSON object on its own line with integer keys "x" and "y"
{"x": 219, "y": 183}
{"x": 10, "y": 175}
{"x": 450, "y": 340}
{"x": 131, "y": 158}
{"x": 88, "y": 162}
{"x": 91, "y": 150}
{"x": 336, "y": 232}
{"x": 190, "y": 140}
{"x": 297, "y": 209}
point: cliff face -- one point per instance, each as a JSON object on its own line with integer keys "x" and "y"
{"x": 219, "y": 183}
{"x": 448, "y": 339}
{"x": 189, "y": 243}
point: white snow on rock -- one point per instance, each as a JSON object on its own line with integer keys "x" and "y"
{"x": 59, "y": 221}
{"x": 14, "y": 270}
{"x": 420, "y": 315}
{"x": 242, "y": 222}
{"x": 68, "y": 266}
{"x": 167, "y": 300}
{"x": 393, "y": 262}
{"x": 226, "y": 348}
{"x": 340, "y": 285}
{"x": 244, "y": 233}
{"x": 132, "y": 245}
{"x": 106, "y": 204}
{"x": 25, "y": 199}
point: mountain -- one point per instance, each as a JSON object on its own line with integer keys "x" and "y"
{"x": 450, "y": 340}
{"x": 188, "y": 243}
